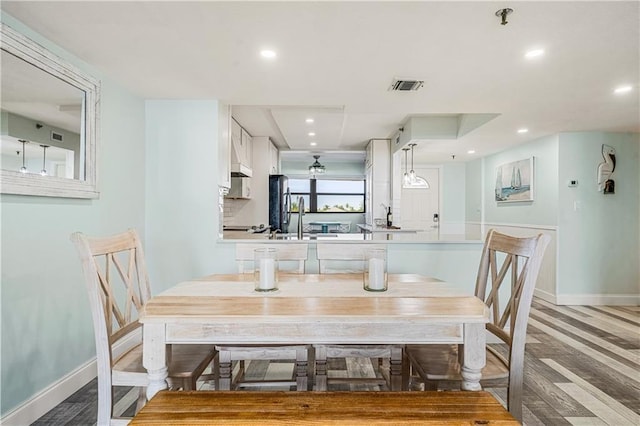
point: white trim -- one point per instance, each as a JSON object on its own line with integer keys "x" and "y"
{"x": 599, "y": 299}
{"x": 546, "y": 296}
{"x": 519, "y": 225}
{"x": 45, "y": 400}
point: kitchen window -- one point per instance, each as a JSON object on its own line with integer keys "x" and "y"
{"x": 328, "y": 195}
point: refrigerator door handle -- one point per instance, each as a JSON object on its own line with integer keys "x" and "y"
{"x": 288, "y": 206}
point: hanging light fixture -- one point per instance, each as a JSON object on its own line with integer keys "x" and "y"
{"x": 43, "y": 172}
{"x": 413, "y": 180}
{"x": 316, "y": 168}
{"x": 405, "y": 177}
{"x": 23, "y": 169}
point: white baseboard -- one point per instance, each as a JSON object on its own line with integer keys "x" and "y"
{"x": 598, "y": 299}
{"x": 36, "y": 407}
{"x": 42, "y": 402}
{"x": 546, "y": 296}
{"x": 589, "y": 299}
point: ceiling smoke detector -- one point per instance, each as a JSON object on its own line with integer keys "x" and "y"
{"x": 404, "y": 84}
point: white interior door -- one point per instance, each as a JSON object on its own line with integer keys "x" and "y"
{"x": 419, "y": 205}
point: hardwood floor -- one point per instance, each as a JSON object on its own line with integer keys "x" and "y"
{"x": 582, "y": 367}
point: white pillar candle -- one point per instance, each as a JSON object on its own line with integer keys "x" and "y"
{"x": 267, "y": 274}
{"x": 376, "y": 274}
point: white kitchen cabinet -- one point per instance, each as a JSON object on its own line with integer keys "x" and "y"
{"x": 224, "y": 146}
{"x": 241, "y": 151}
{"x": 378, "y": 179}
{"x": 274, "y": 157}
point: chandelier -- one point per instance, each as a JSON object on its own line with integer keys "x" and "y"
{"x": 316, "y": 168}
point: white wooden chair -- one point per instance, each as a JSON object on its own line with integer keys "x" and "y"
{"x": 503, "y": 256}
{"x": 332, "y": 256}
{"x": 295, "y": 254}
{"x": 106, "y": 262}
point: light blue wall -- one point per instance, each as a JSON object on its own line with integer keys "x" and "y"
{"x": 544, "y": 209}
{"x": 182, "y": 186}
{"x": 598, "y": 238}
{"x": 47, "y": 330}
{"x": 453, "y": 192}
{"x": 473, "y": 192}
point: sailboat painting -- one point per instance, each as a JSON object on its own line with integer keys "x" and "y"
{"x": 514, "y": 181}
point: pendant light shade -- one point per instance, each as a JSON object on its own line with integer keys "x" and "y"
{"x": 316, "y": 168}
{"x": 43, "y": 172}
{"x": 23, "y": 169}
{"x": 412, "y": 180}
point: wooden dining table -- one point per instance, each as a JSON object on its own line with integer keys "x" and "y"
{"x": 313, "y": 309}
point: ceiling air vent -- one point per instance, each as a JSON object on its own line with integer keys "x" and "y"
{"x": 406, "y": 84}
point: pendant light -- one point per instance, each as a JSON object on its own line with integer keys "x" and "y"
{"x": 316, "y": 168}
{"x": 405, "y": 177}
{"x": 23, "y": 169}
{"x": 414, "y": 181}
{"x": 43, "y": 172}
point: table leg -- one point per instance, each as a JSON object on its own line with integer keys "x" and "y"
{"x": 154, "y": 358}
{"x": 474, "y": 357}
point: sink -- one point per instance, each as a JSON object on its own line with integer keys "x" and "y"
{"x": 305, "y": 236}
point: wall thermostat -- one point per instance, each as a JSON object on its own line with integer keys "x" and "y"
{"x": 573, "y": 183}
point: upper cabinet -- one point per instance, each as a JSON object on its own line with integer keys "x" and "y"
{"x": 378, "y": 179}
{"x": 274, "y": 159}
{"x": 224, "y": 146}
{"x": 241, "y": 151}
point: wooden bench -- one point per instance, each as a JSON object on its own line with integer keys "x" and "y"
{"x": 314, "y": 408}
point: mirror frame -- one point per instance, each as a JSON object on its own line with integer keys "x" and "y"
{"x": 15, "y": 182}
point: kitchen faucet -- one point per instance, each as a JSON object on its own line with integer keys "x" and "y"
{"x": 300, "y": 213}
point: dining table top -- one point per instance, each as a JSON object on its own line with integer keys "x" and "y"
{"x": 313, "y": 297}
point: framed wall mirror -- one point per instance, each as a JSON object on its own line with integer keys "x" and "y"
{"x": 49, "y": 122}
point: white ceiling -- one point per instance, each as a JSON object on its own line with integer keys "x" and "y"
{"x": 336, "y": 60}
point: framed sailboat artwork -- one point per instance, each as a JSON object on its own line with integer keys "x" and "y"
{"x": 514, "y": 181}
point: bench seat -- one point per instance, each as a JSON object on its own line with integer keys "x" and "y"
{"x": 314, "y": 408}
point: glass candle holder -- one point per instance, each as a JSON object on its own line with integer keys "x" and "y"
{"x": 375, "y": 270}
{"x": 265, "y": 269}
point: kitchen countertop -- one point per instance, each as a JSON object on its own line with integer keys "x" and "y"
{"x": 384, "y": 229}
{"x": 398, "y": 237}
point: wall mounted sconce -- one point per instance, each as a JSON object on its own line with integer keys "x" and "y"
{"x": 43, "y": 172}
{"x": 23, "y": 169}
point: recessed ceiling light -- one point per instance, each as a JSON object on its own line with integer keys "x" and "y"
{"x": 313, "y": 144}
{"x": 471, "y": 151}
{"x": 311, "y": 134}
{"x": 309, "y": 120}
{"x": 268, "y": 54}
{"x": 523, "y": 130}
{"x": 622, "y": 89}
{"x": 534, "y": 53}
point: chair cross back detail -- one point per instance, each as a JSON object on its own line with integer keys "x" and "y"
{"x": 111, "y": 260}
{"x": 514, "y": 262}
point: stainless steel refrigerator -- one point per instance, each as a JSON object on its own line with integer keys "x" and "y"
{"x": 279, "y": 203}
